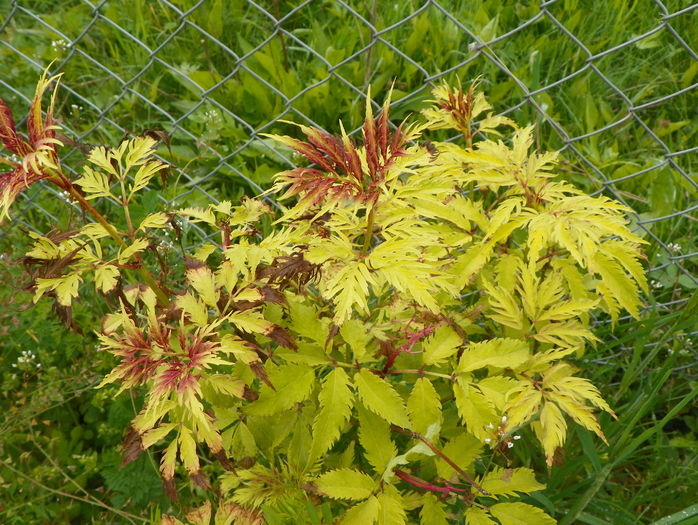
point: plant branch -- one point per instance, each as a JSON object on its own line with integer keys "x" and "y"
{"x": 423, "y": 484}
{"x": 368, "y": 236}
{"x": 124, "y": 205}
{"x": 64, "y": 183}
{"x": 435, "y": 450}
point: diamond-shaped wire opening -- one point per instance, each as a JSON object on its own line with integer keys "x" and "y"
{"x": 613, "y": 23}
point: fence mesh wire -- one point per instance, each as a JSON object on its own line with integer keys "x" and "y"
{"x": 606, "y": 86}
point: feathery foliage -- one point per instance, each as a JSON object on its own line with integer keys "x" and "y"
{"x": 381, "y": 351}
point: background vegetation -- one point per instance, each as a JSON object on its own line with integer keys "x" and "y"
{"x": 212, "y": 75}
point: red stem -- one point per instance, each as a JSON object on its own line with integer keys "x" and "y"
{"x": 412, "y": 339}
{"x": 443, "y": 456}
{"x": 425, "y": 485}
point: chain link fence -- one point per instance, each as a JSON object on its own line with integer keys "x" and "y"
{"x": 610, "y": 84}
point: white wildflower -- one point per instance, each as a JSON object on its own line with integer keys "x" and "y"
{"x": 59, "y": 46}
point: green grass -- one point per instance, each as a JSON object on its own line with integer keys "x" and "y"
{"x": 646, "y": 368}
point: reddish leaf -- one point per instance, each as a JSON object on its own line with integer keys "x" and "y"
{"x": 369, "y": 133}
{"x": 383, "y": 129}
{"x": 249, "y": 395}
{"x": 271, "y": 295}
{"x": 225, "y": 462}
{"x": 8, "y": 132}
{"x": 261, "y": 373}
{"x": 37, "y": 127}
{"x": 247, "y": 463}
{"x": 200, "y": 480}
{"x": 132, "y": 447}
{"x": 281, "y": 337}
{"x": 334, "y": 330}
{"x": 170, "y": 488}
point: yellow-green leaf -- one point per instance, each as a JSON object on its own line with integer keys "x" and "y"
{"x": 462, "y": 449}
{"x": 506, "y": 481}
{"x": 581, "y": 389}
{"x": 346, "y": 484}
{"x": 198, "y": 215}
{"x": 243, "y": 444}
{"x": 138, "y": 246}
{"x": 442, "y": 344}
{"x": 567, "y": 334}
{"x": 474, "y": 408}
{"x": 144, "y": 174}
{"x": 423, "y": 405}
{"x": 563, "y": 310}
{"x": 106, "y": 277}
{"x": 66, "y": 287}
{"x": 306, "y": 321}
{"x": 381, "y": 398}
{"x": 524, "y": 405}
{"x": 520, "y": 514}
{"x": 250, "y": 321}
{"x": 391, "y": 508}
{"x": 364, "y": 513}
{"x": 195, "y": 309}
{"x": 349, "y": 287}
{"x": 292, "y": 383}
{"x": 432, "y": 512}
{"x": 94, "y": 184}
{"x": 102, "y": 158}
{"x": 504, "y": 307}
{"x": 201, "y": 279}
{"x": 139, "y": 149}
{"x": 156, "y": 434}
{"x": 169, "y": 460}
{"x": 226, "y": 384}
{"x": 478, "y": 516}
{"x": 154, "y": 220}
{"x": 498, "y": 353}
{"x": 231, "y": 344}
{"x": 336, "y": 400}
{"x": 355, "y": 333}
{"x": 187, "y": 450}
{"x": 551, "y": 430}
{"x": 581, "y": 413}
{"x": 617, "y": 282}
{"x": 374, "y": 437}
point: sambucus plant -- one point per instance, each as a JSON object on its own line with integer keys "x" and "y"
{"x": 375, "y": 357}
